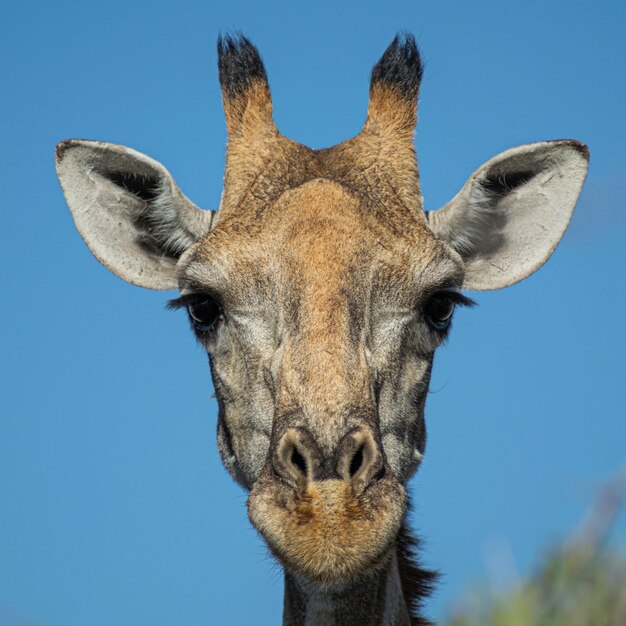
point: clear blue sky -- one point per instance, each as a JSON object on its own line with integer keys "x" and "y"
{"x": 114, "y": 507}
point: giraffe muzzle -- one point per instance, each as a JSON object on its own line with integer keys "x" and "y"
{"x": 328, "y": 516}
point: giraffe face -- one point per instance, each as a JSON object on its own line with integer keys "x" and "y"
{"x": 321, "y": 290}
{"x": 321, "y": 325}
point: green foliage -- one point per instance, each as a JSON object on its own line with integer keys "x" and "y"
{"x": 572, "y": 587}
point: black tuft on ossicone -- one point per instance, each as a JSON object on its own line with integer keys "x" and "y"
{"x": 239, "y": 64}
{"x": 400, "y": 67}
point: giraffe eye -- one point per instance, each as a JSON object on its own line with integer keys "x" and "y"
{"x": 440, "y": 306}
{"x": 204, "y": 314}
{"x": 438, "y": 311}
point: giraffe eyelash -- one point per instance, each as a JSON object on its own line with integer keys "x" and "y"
{"x": 183, "y": 301}
{"x": 187, "y": 299}
{"x": 455, "y": 297}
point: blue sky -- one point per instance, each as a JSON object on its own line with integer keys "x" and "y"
{"x": 114, "y": 507}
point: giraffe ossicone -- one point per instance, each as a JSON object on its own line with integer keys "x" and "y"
{"x": 321, "y": 290}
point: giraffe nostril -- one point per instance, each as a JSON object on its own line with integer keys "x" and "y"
{"x": 298, "y": 460}
{"x": 357, "y": 462}
{"x": 296, "y": 457}
{"x": 359, "y": 459}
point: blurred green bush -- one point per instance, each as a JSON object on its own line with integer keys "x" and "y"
{"x": 580, "y": 584}
{"x": 574, "y": 587}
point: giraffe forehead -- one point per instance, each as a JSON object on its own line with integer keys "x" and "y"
{"x": 319, "y": 242}
{"x": 326, "y": 236}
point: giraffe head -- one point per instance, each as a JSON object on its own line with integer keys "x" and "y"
{"x": 321, "y": 290}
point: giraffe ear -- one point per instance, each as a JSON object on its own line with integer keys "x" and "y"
{"x": 129, "y": 211}
{"x": 512, "y": 212}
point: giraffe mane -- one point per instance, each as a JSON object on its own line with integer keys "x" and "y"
{"x": 417, "y": 582}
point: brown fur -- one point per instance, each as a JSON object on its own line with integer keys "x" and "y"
{"x": 337, "y": 225}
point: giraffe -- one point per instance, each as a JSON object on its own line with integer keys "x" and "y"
{"x": 320, "y": 290}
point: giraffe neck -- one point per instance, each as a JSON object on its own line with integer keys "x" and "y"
{"x": 375, "y": 601}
